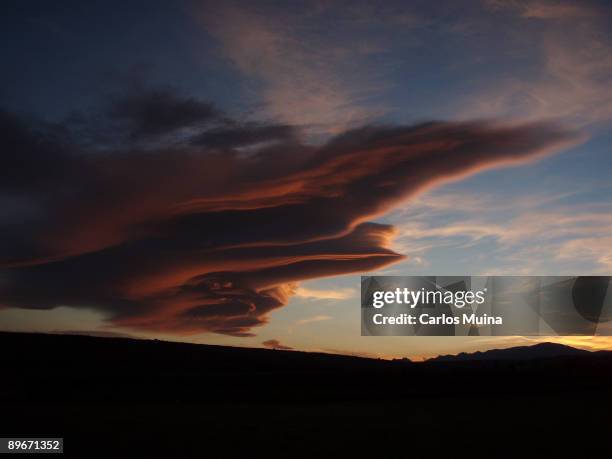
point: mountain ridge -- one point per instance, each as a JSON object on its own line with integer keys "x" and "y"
{"x": 544, "y": 350}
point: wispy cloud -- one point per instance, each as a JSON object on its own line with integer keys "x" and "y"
{"x": 545, "y": 9}
{"x": 302, "y": 77}
{"x": 596, "y": 248}
{"x": 313, "y": 319}
{"x": 571, "y": 79}
{"x": 319, "y": 294}
{"x": 528, "y": 233}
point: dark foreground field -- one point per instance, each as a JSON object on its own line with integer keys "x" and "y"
{"x": 106, "y": 396}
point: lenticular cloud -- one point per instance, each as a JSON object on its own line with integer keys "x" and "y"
{"x": 168, "y": 216}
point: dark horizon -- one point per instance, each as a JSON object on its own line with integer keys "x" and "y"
{"x": 537, "y": 350}
{"x": 152, "y": 397}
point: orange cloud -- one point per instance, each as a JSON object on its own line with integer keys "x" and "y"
{"x": 276, "y": 344}
{"x": 163, "y": 231}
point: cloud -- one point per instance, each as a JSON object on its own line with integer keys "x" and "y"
{"x": 321, "y": 68}
{"x": 175, "y": 235}
{"x": 597, "y": 249}
{"x": 529, "y": 234}
{"x": 243, "y": 135}
{"x": 572, "y": 67}
{"x": 318, "y": 294}
{"x": 276, "y": 344}
{"x": 301, "y": 77}
{"x": 313, "y": 319}
{"x": 152, "y": 113}
{"x": 544, "y": 9}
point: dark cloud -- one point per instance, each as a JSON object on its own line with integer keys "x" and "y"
{"x": 152, "y": 113}
{"x": 187, "y": 237}
{"x": 33, "y": 155}
{"x": 276, "y": 344}
{"x": 244, "y": 135}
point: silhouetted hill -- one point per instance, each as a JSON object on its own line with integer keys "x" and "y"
{"x": 50, "y": 367}
{"x": 122, "y": 396}
{"x": 93, "y": 351}
{"x": 536, "y": 351}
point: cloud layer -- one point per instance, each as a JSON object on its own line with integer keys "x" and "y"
{"x": 293, "y": 67}
{"x": 166, "y": 215}
{"x": 554, "y": 230}
{"x": 571, "y": 80}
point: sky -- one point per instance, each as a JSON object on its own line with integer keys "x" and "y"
{"x": 223, "y": 172}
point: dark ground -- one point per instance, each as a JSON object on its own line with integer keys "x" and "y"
{"x": 130, "y": 398}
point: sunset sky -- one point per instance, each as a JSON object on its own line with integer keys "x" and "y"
{"x": 223, "y": 172}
